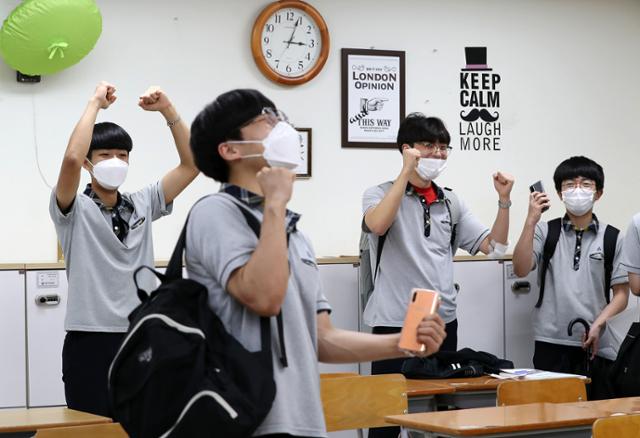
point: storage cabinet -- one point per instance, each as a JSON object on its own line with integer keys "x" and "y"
{"x": 13, "y": 377}
{"x": 480, "y": 303}
{"x": 46, "y": 301}
{"x": 340, "y": 286}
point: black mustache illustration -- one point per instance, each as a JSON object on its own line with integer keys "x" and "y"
{"x": 476, "y": 114}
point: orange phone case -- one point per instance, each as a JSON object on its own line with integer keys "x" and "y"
{"x": 423, "y": 302}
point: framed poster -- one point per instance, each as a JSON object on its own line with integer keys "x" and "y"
{"x": 304, "y": 170}
{"x": 373, "y": 97}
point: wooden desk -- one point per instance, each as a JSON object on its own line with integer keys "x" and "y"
{"x": 532, "y": 420}
{"x": 24, "y": 422}
{"x": 463, "y": 393}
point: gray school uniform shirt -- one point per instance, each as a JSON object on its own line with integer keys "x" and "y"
{"x": 99, "y": 266}
{"x": 411, "y": 260}
{"x": 630, "y": 261}
{"x": 219, "y": 241}
{"x": 574, "y": 286}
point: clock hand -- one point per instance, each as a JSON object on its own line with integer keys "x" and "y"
{"x": 292, "y": 33}
{"x": 295, "y": 42}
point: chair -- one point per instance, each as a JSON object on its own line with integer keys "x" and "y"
{"x": 519, "y": 392}
{"x": 106, "y": 430}
{"x": 623, "y": 426}
{"x": 360, "y": 402}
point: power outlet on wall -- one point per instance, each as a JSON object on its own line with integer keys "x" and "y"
{"x": 21, "y": 77}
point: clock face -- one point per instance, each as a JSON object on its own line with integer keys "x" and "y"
{"x": 291, "y": 42}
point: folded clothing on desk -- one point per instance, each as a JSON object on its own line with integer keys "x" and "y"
{"x": 449, "y": 364}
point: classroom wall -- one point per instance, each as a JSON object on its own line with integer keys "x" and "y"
{"x": 568, "y": 87}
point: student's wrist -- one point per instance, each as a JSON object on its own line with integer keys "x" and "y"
{"x": 170, "y": 113}
{"x": 405, "y": 174}
{"x": 275, "y": 206}
{"x": 95, "y": 103}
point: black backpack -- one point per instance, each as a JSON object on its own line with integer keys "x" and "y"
{"x": 623, "y": 374}
{"x": 553, "y": 235}
{"x": 178, "y": 373}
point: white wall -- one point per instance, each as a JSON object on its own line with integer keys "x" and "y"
{"x": 568, "y": 87}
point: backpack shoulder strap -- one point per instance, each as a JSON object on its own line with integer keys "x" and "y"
{"x": 174, "y": 268}
{"x": 385, "y": 186}
{"x": 610, "y": 241}
{"x": 453, "y": 204}
{"x": 550, "y": 243}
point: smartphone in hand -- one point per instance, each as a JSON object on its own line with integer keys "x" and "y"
{"x": 538, "y": 187}
{"x": 423, "y": 302}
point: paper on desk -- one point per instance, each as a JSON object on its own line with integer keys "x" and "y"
{"x": 532, "y": 374}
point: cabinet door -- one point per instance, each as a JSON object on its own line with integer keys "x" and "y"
{"x": 46, "y": 308}
{"x": 480, "y": 305}
{"x": 340, "y": 286}
{"x": 13, "y": 366}
{"x": 521, "y": 295}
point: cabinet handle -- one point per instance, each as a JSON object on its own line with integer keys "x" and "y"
{"x": 521, "y": 287}
{"x": 48, "y": 300}
{"x": 456, "y": 286}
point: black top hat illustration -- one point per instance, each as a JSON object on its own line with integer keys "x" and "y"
{"x": 476, "y": 59}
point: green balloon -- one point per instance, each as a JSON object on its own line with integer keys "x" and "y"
{"x": 46, "y": 36}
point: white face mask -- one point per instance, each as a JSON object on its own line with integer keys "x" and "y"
{"x": 110, "y": 173}
{"x": 578, "y": 201}
{"x": 430, "y": 168}
{"x": 281, "y": 147}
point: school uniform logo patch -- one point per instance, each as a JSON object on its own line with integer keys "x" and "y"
{"x": 309, "y": 262}
{"x": 598, "y": 255}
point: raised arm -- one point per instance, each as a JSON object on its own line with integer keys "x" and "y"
{"x": 261, "y": 284}
{"x": 178, "y": 178}
{"x": 503, "y": 183}
{"x": 379, "y": 218}
{"x": 523, "y": 261}
{"x": 78, "y": 146}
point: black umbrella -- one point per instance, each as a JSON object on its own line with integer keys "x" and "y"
{"x": 587, "y": 362}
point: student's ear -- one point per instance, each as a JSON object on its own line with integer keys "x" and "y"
{"x": 229, "y": 152}
{"x": 86, "y": 165}
{"x": 406, "y": 146}
{"x": 598, "y": 194}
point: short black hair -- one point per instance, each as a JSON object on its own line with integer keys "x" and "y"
{"x": 220, "y": 121}
{"x": 108, "y": 135}
{"x": 575, "y": 167}
{"x": 418, "y": 127}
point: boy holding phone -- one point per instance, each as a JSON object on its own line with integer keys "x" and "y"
{"x": 576, "y": 255}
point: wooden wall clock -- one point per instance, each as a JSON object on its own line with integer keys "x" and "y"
{"x": 290, "y": 42}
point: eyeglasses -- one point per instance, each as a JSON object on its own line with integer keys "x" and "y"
{"x": 586, "y": 184}
{"x": 443, "y": 149}
{"x": 271, "y": 115}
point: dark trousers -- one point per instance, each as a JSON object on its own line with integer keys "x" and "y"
{"x": 86, "y": 357}
{"x": 391, "y": 366}
{"x": 574, "y": 360}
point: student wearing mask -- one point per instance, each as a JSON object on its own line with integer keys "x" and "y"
{"x": 575, "y": 283}
{"x": 243, "y": 141}
{"x": 419, "y": 226}
{"x": 105, "y": 235}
